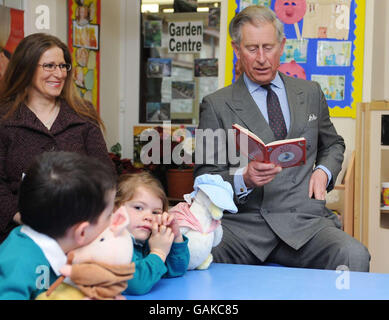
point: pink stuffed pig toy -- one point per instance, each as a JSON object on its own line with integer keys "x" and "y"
{"x": 101, "y": 269}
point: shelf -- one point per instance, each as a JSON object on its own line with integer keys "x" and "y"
{"x": 175, "y": 199}
{"x": 372, "y": 169}
{"x": 385, "y": 209}
{"x": 376, "y": 106}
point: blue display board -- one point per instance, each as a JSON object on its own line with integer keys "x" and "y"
{"x": 330, "y": 54}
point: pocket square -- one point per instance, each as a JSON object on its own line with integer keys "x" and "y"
{"x": 312, "y": 117}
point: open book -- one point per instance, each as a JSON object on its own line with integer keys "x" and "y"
{"x": 284, "y": 153}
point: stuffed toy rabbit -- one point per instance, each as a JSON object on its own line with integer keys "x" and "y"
{"x": 200, "y": 217}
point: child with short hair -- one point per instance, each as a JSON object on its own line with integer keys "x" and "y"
{"x": 65, "y": 200}
{"x": 160, "y": 250}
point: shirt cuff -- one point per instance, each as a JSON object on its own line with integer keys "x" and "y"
{"x": 328, "y": 172}
{"x": 240, "y": 187}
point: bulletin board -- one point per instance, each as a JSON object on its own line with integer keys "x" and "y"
{"x": 321, "y": 45}
{"x": 179, "y": 63}
{"x": 84, "y": 44}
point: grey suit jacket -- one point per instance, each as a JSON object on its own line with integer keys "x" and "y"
{"x": 282, "y": 208}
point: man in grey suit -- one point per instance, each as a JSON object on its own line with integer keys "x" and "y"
{"x": 282, "y": 216}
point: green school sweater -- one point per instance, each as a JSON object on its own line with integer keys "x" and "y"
{"x": 149, "y": 268}
{"x": 24, "y": 270}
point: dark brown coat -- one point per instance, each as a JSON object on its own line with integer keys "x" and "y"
{"x": 23, "y": 136}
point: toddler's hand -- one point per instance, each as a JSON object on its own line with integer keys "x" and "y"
{"x": 161, "y": 240}
{"x": 169, "y": 220}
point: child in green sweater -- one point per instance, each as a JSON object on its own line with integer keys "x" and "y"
{"x": 65, "y": 201}
{"x": 160, "y": 250}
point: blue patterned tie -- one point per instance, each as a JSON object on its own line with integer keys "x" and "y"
{"x": 276, "y": 119}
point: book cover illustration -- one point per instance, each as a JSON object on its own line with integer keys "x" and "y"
{"x": 284, "y": 153}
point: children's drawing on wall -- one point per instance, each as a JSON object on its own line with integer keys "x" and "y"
{"x": 92, "y": 60}
{"x": 11, "y": 32}
{"x": 85, "y": 12}
{"x": 295, "y": 50}
{"x": 89, "y": 80}
{"x": 332, "y": 86}
{"x": 320, "y": 45}
{"x": 333, "y": 53}
{"x": 84, "y": 29}
{"x": 329, "y": 19}
{"x": 82, "y": 56}
{"x": 86, "y": 36}
{"x": 79, "y": 76}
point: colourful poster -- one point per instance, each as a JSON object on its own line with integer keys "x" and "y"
{"x": 84, "y": 37}
{"x": 321, "y": 45}
{"x": 168, "y": 138}
{"x": 327, "y": 19}
{"x": 11, "y": 32}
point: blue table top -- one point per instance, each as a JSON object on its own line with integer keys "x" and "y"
{"x": 247, "y": 282}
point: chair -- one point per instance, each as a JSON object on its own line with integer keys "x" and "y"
{"x": 347, "y": 186}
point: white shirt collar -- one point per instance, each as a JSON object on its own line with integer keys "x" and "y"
{"x": 50, "y": 247}
{"x": 252, "y": 86}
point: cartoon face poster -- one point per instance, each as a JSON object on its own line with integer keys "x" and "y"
{"x": 292, "y": 69}
{"x": 290, "y": 11}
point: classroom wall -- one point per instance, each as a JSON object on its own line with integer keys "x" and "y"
{"x": 110, "y": 68}
{"x": 129, "y": 75}
{"x": 119, "y": 86}
{"x": 54, "y": 20}
{"x": 345, "y": 126}
{"x": 16, "y": 4}
{"x": 379, "y": 50}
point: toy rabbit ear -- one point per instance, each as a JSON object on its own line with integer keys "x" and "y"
{"x": 120, "y": 220}
{"x": 188, "y": 198}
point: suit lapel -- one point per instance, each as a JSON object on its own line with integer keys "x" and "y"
{"x": 297, "y": 107}
{"x": 247, "y": 110}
